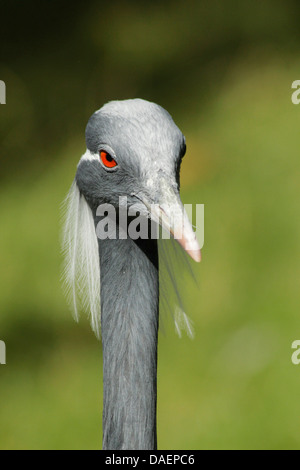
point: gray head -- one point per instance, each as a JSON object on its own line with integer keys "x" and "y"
{"x": 145, "y": 143}
{"x": 134, "y": 149}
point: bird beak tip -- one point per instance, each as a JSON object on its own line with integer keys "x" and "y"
{"x": 195, "y": 255}
{"x": 192, "y": 249}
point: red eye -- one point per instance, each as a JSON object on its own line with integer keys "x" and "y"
{"x": 107, "y": 159}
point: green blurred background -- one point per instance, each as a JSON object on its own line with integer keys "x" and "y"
{"x": 224, "y": 71}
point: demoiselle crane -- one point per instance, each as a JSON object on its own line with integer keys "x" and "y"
{"x": 133, "y": 157}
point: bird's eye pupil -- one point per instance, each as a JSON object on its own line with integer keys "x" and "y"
{"x": 107, "y": 160}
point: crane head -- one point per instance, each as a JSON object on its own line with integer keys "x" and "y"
{"x": 135, "y": 149}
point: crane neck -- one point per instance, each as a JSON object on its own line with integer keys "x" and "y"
{"x": 129, "y": 328}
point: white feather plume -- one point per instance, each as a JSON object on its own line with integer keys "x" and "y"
{"x": 174, "y": 266}
{"x": 81, "y": 274}
{"x": 81, "y": 270}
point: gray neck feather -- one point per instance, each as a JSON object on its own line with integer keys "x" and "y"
{"x": 129, "y": 326}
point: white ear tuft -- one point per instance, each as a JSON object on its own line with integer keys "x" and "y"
{"x": 174, "y": 265}
{"x": 183, "y": 322}
{"x": 81, "y": 273}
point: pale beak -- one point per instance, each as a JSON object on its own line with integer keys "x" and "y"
{"x": 171, "y": 215}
